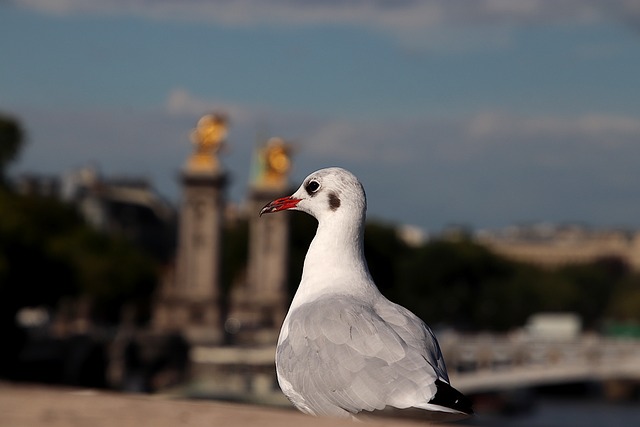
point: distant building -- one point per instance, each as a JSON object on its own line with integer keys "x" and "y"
{"x": 37, "y": 184}
{"x": 551, "y": 245}
{"x": 124, "y": 206}
{"x": 554, "y": 326}
{"x": 412, "y": 235}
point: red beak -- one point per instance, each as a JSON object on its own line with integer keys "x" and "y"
{"x": 280, "y": 204}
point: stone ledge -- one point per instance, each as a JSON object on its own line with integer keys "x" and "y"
{"x": 40, "y": 406}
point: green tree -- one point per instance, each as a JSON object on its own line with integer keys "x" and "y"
{"x": 108, "y": 271}
{"x": 384, "y": 251}
{"x": 506, "y": 302}
{"x": 624, "y": 304}
{"x": 445, "y": 281}
{"x": 47, "y": 253}
{"x": 587, "y": 289}
{"x": 11, "y": 140}
{"x": 235, "y": 248}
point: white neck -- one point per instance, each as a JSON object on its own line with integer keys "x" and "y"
{"x": 335, "y": 261}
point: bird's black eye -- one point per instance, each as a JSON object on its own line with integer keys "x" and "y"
{"x": 312, "y": 186}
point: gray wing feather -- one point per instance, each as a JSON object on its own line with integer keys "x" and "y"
{"x": 343, "y": 356}
{"x": 415, "y": 333}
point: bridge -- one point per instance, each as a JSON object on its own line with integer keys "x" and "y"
{"x": 476, "y": 363}
{"x": 479, "y": 363}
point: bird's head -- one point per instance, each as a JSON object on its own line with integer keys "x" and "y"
{"x": 330, "y": 192}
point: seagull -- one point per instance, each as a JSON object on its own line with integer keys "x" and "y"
{"x": 344, "y": 348}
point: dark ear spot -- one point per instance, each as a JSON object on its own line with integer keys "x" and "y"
{"x": 334, "y": 201}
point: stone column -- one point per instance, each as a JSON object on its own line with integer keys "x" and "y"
{"x": 268, "y": 260}
{"x": 190, "y": 297}
{"x": 259, "y": 304}
{"x": 198, "y": 262}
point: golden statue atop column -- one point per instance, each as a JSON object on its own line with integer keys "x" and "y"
{"x": 208, "y": 138}
{"x": 272, "y": 166}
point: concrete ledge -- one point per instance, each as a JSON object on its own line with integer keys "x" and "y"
{"x": 38, "y": 406}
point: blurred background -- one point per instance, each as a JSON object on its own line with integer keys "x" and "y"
{"x": 497, "y": 141}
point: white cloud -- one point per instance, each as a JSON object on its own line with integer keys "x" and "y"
{"x": 398, "y": 15}
{"x": 594, "y": 128}
{"x": 418, "y": 25}
{"x": 466, "y": 139}
{"x": 181, "y": 102}
{"x": 361, "y": 141}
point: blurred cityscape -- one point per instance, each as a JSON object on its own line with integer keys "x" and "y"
{"x": 103, "y": 283}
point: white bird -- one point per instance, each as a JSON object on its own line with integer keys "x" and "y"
{"x": 343, "y": 347}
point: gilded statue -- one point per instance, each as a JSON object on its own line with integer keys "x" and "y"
{"x": 273, "y": 164}
{"x": 208, "y": 138}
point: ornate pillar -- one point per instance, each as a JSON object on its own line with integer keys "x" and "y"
{"x": 258, "y": 306}
{"x": 190, "y": 298}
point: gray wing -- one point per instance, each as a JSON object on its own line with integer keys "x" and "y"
{"x": 415, "y": 333}
{"x": 342, "y": 356}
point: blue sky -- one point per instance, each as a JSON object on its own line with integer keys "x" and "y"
{"x": 485, "y": 113}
